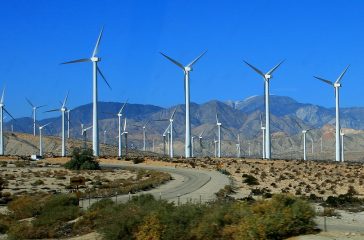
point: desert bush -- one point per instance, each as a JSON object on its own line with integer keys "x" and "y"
{"x": 82, "y": 160}
{"x": 138, "y": 160}
{"x": 250, "y": 180}
{"x": 51, "y": 217}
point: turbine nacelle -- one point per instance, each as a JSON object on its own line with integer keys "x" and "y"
{"x": 188, "y": 69}
{"x": 267, "y": 76}
{"x": 95, "y": 59}
{"x": 337, "y": 85}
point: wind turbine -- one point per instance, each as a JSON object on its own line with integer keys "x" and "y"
{"x": 304, "y": 132}
{"x": 96, "y": 70}
{"x": 34, "y": 111}
{"x": 342, "y": 134}
{"x": 84, "y": 134}
{"x": 200, "y": 140}
{"x": 120, "y": 114}
{"x": 144, "y": 134}
{"x": 336, "y": 85}
{"x": 186, "y": 69}
{"x": 40, "y": 139}
{"x": 105, "y": 131}
{"x": 238, "y": 147}
{"x": 62, "y": 110}
{"x": 218, "y": 124}
{"x": 125, "y": 133}
{"x": 266, "y": 78}
{"x": 2, "y": 110}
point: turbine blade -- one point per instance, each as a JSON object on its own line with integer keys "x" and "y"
{"x": 40, "y": 106}
{"x": 274, "y": 68}
{"x": 30, "y": 103}
{"x": 103, "y": 77}
{"x": 165, "y": 131}
{"x": 53, "y": 110}
{"x": 65, "y": 99}
{"x": 324, "y": 80}
{"x": 255, "y": 69}
{"x": 174, "y": 61}
{"x": 121, "y": 109}
{"x": 196, "y": 59}
{"x": 9, "y": 114}
{"x": 146, "y": 124}
{"x": 341, "y": 75}
{"x": 85, "y": 129}
{"x": 97, "y": 43}
{"x": 45, "y": 125}
{"x": 124, "y": 127}
{"x": 299, "y": 125}
{"x": 174, "y": 111}
{"x": 78, "y": 60}
{"x": 161, "y": 120}
{"x": 2, "y": 96}
{"x": 217, "y": 119}
{"x": 200, "y": 136}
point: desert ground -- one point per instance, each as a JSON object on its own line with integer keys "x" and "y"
{"x": 250, "y": 177}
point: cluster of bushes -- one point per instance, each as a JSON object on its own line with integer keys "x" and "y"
{"x": 82, "y": 160}
{"x": 346, "y": 201}
{"x": 250, "y": 180}
{"x": 146, "y": 179}
{"x": 281, "y": 217}
{"x": 43, "y": 216}
{"x": 144, "y": 217}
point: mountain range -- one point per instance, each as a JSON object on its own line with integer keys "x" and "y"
{"x": 287, "y": 118}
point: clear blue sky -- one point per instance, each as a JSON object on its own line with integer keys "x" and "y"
{"x": 315, "y": 37}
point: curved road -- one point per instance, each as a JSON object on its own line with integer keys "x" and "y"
{"x": 195, "y": 185}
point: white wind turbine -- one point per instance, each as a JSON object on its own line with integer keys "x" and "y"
{"x": 96, "y": 70}
{"x": 120, "y": 114}
{"x": 200, "y": 140}
{"x": 304, "y": 132}
{"x": 84, "y": 135}
{"x": 144, "y": 135}
{"x": 192, "y": 145}
{"x": 238, "y": 147}
{"x": 2, "y": 110}
{"x": 105, "y": 131}
{"x": 218, "y": 124}
{"x": 266, "y": 78}
{"x": 40, "y": 139}
{"x": 125, "y": 133}
{"x": 186, "y": 69}
{"x": 62, "y": 110}
{"x": 336, "y": 85}
{"x": 34, "y": 112}
{"x": 215, "y": 144}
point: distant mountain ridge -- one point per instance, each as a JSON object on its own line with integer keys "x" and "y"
{"x": 237, "y": 116}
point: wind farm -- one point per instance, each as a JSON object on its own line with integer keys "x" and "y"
{"x": 183, "y": 140}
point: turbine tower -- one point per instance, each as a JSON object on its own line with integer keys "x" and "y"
{"x": 304, "y": 132}
{"x": 96, "y": 70}
{"x": 125, "y": 133}
{"x": 336, "y": 85}
{"x": 263, "y": 136}
{"x": 40, "y": 139}
{"x": 266, "y": 78}
{"x": 62, "y": 110}
{"x": 2, "y": 110}
{"x": 68, "y": 123}
{"x": 34, "y": 113}
{"x": 186, "y": 69}
{"x": 218, "y": 124}
{"x": 342, "y": 134}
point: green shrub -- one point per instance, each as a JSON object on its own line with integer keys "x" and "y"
{"x": 82, "y": 160}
